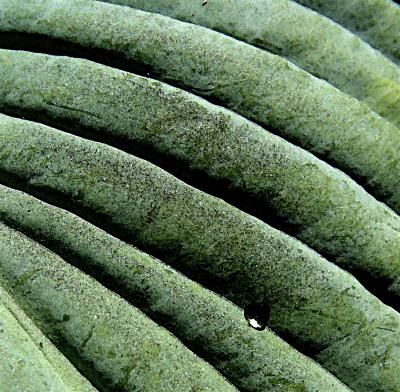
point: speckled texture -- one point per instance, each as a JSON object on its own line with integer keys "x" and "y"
{"x": 127, "y": 351}
{"x": 251, "y": 81}
{"x": 212, "y": 326}
{"x": 351, "y": 332}
{"x": 330, "y": 212}
{"x": 306, "y": 38}
{"x": 29, "y": 362}
{"x": 377, "y": 21}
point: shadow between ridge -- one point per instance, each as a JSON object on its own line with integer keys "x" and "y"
{"x": 169, "y": 256}
{"x": 247, "y": 202}
{"x": 40, "y": 43}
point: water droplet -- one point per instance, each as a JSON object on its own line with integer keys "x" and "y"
{"x": 66, "y": 317}
{"x": 257, "y": 315}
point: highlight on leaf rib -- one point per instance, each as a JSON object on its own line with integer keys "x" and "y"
{"x": 113, "y": 343}
{"x": 376, "y": 21}
{"x": 312, "y": 301}
{"x": 29, "y": 361}
{"x": 306, "y": 38}
{"x": 211, "y": 326}
{"x": 259, "y": 85}
{"x": 329, "y": 212}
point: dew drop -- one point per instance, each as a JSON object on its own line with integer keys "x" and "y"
{"x": 257, "y": 315}
{"x": 66, "y": 317}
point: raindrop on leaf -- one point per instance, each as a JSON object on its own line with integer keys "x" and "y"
{"x": 257, "y": 315}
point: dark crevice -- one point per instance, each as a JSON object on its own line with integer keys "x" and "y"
{"x": 218, "y": 187}
{"x": 41, "y": 43}
{"x": 85, "y": 367}
{"x": 134, "y": 296}
{"x": 61, "y": 200}
{"x": 171, "y": 256}
{"x": 221, "y": 188}
{"x": 44, "y": 322}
